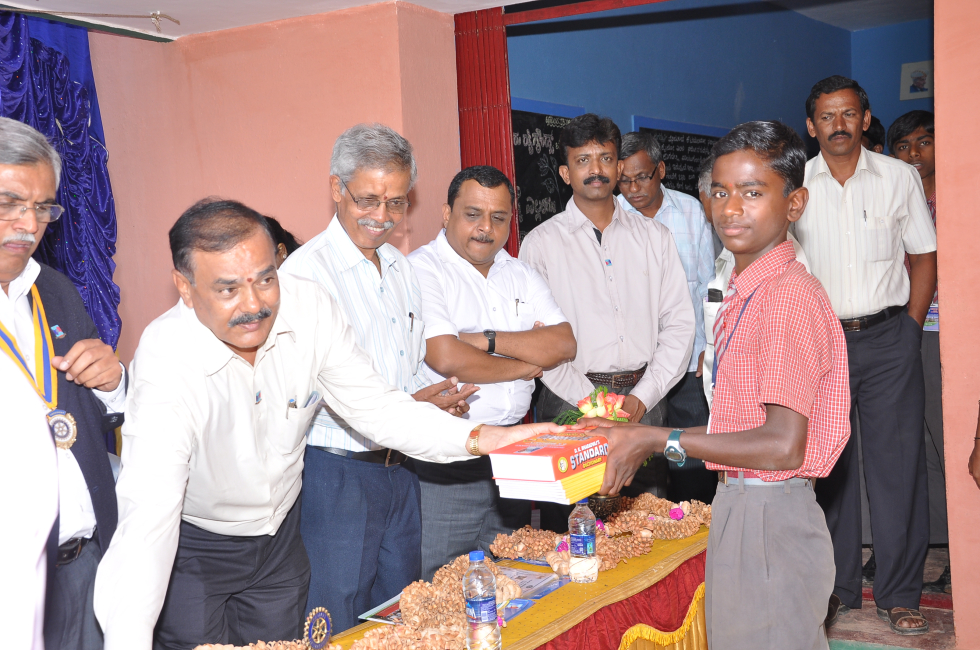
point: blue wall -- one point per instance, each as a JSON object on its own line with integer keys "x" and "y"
{"x": 711, "y": 62}
{"x": 877, "y": 56}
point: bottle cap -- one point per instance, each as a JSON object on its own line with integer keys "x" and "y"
{"x": 476, "y": 556}
{"x": 583, "y": 502}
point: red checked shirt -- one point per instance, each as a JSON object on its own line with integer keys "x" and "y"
{"x": 788, "y": 350}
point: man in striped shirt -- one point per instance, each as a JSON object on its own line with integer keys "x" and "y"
{"x": 360, "y": 509}
{"x": 780, "y": 413}
{"x": 866, "y": 212}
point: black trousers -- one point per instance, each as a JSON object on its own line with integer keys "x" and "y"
{"x": 887, "y": 388}
{"x": 935, "y": 448}
{"x": 235, "y": 590}
{"x": 650, "y": 478}
{"x": 69, "y": 618}
{"x": 688, "y": 407}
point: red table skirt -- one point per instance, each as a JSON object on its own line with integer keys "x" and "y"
{"x": 662, "y": 606}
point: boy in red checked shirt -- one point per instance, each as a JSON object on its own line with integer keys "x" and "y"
{"x": 780, "y": 413}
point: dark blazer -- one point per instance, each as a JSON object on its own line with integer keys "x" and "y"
{"x": 64, "y": 308}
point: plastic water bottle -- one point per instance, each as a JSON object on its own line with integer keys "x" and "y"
{"x": 584, "y": 566}
{"x": 480, "y": 592}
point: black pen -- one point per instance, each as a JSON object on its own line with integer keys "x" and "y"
{"x": 865, "y": 216}
{"x": 411, "y": 328}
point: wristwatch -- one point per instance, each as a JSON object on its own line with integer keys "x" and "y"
{"x": 673, "y": 451}
{"x": 492, "y": 338}
{"x": 473, "y": 441}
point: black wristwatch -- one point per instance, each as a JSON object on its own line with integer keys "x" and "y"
{"x": 492, "y": 338}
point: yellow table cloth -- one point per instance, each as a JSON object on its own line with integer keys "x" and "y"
{"x": 566, "y": 607}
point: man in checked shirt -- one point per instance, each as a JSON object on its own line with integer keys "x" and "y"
{"x": 780, "y": 412}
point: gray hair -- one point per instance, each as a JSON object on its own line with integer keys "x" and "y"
{"x": 372, "y": 146}
{"x": 635, "y": 142}
{"x": 704, "y": 175}
{"x": 21, "y": 144}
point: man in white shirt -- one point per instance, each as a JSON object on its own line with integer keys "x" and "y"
{"x": 347, "y": 476}
{"x": 490, "y": 320}
{"x": 29, "y": 470}
{"x": 224, "y": 387}
{"x": 866, "y": 212}
{"x": 643, "y": 192}
{"x": 77, "y": 375}
{"x": 618, "y": 279}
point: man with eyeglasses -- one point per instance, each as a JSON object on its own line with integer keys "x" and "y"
{"x": 50, "y": 343}
{"x": 618, "y": 279}
{"x": 642, "y": 191}
{"x": 348, "y": 477}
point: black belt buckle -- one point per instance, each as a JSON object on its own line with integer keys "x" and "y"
{"x": 70, "y": 550}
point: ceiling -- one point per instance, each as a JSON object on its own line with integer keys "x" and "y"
{"x": 197, "y": 16}
{"x": 854, "y": 15}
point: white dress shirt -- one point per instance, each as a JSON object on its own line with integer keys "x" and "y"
{"x": 724, "y": 266}
{"x": 457, "y": 298}
{"x": 856, "y": 235}
{"x": 626, "y": 298}
{"x": 77, "y": 516}
{"x": 385, "y": 311}
{"x": 29, "y": 479}
{"x": 213, "y": 440}
{"x": 684, "y": 217}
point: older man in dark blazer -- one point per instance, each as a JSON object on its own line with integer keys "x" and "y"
{"x": 50, "y": 341}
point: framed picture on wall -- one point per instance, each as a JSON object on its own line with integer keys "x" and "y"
{"x": 917, "y": 80}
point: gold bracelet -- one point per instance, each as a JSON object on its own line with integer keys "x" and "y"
{"x": 473, "y": 441}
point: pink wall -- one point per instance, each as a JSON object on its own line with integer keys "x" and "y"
{"x": 957, "y": 59}
{"x": 252, "y": 114}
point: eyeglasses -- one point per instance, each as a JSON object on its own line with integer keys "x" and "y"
{"x": 394, "y": 206}
{"x": 45, "y": 212}
{"x": 642, "y": 179}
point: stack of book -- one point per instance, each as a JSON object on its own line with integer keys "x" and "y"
{"x": 556, "y": 467}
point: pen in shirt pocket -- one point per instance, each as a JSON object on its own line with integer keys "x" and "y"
{"x": 291, "y": 404}
{"x": 411, "y": 327}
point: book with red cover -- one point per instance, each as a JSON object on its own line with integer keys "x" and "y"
{"x": 550, "y": 456}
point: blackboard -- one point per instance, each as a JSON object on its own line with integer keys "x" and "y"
{"x": 683, "y": 153}
{"x": 541, "y": 193}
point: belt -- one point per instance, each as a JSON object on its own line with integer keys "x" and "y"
{"x": 619, "y": 379}
{"x": 751, "y": 479}
{"x": 70, "y": 550}
{"x": 867, "y": 322}
{"x": 386, "y": 457}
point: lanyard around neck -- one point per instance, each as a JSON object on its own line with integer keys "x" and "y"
{"x": 728, "y": 340}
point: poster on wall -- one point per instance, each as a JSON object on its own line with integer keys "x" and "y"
{"x": 917, "y": 81}
{"x": 684, "y": 146}
{"x": 541, "y": 193}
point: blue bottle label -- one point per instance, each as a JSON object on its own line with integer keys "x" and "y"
{"x": 582, "y": 544}
{"x": 481, "y": 610}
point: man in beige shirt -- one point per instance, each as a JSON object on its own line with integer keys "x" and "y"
{"x": 618, "y": 279}
{"x": 866, "y": 212}
{"x": 224, "y": 387}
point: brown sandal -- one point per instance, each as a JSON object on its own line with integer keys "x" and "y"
{"x": 895, "y": 615}
{"x": 834, "y": 609}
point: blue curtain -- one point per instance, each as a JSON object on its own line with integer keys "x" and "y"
{"x": 46, "y": 82}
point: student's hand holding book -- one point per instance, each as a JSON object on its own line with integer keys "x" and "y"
{"x": 629, "y": 446}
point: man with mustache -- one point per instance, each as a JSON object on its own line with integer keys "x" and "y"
{"x": 225, "y": 386}
{"x": 348, "y": 477}
{"x": 490, "y": 320}
{"x": 49, "y": 342}
{"x": 643, "y": 192}
{"x": 866, "y": 212}
{"x": 618, "y": 278}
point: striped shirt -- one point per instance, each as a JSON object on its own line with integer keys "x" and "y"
{"x": 684, "y": 218}
{"x": 856, "y": 235}
{"x": 788, "y": 349}
{"x": 380, "y": 309}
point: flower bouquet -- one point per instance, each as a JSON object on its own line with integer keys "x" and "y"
{"x": 600, "y": 403}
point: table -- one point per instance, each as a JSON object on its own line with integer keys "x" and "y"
{"x": 650, "y": 602}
